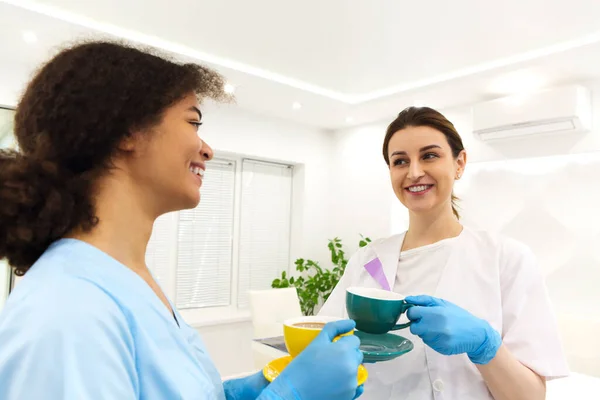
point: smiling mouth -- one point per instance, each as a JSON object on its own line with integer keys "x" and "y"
{"x": 197, "y": 171}
{"x": 418, "y": 189}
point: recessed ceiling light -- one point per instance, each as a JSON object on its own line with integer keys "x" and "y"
{"x": 517, "y": 82}
{"x": 349, "y": 120}
{"x": 296, "y": 105}
{"x": 229, "y": 88}
{"x": 29, "y": 37}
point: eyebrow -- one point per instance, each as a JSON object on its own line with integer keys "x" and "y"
{"x": 403, "y": 153}
{"x": 195, "y": 109}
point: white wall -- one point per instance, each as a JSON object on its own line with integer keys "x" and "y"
{"x": 4, "y": 282}
{"x": 554, "y": 195}
{"x": 6, "y": 98}
{"x": 5, "y": 126}
{"x": 9, "y": 90}
{"x": 361, "y": 196}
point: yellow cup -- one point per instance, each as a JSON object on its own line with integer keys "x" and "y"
{"x": 299, "y": 332}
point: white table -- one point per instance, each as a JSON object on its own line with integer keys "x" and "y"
{"x": 264, "y": 354}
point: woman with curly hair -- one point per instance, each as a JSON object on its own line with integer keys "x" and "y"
{"x": 108, "y": 142}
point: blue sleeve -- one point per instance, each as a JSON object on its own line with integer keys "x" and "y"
{"x": 256, "y": 387}
{"x": 279, "y": 389}
{"x": 71, "y": 342}
{"x": 247, "y": 388}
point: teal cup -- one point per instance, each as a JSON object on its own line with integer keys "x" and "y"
{"x": 375, "y": 310}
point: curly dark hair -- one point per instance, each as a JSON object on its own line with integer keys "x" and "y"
{"x": 73, "y": 114}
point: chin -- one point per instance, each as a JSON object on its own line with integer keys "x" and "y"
{"x": 425, "y": 208}
{"x": 419, "y": 208}
{"x": 187, "y": 201}
{"x": 192, "y": 202}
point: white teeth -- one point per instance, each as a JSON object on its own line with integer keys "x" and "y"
{"x": 418, "y": 188}
{"x": 197, "y": 171}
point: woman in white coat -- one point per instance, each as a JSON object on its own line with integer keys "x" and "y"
{"x": 489, "y": 332}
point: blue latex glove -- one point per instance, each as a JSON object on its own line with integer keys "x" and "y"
{"x": 449, "y": 329}
{"x": 324, "y": 370}
{"x": 248, "y": 388}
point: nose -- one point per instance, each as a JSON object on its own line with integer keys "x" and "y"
{"x": 415, "y": 171}
{"x": 206, "y": 151}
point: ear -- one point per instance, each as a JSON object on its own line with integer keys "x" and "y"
{"x": 461, "y": 163}
{"x": 129, "y": 143}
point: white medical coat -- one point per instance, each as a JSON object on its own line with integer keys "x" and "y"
{"x": 491, "y": 276}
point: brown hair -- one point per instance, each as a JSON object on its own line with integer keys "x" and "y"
{"x": 73, "y": 114}
{"x": 425, "y": 116}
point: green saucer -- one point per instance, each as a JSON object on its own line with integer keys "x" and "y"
{"x": 378, "y": 348}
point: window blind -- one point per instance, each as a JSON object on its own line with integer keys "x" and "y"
{"x": 159, "y": 252}
{"x": 265, "y": 222}
{"x": 205, "y": 240}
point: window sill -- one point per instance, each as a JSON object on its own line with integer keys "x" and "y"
{"x": 204, "y": 317}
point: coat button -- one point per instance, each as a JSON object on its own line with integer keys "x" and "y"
{"x": 438, "y": 385}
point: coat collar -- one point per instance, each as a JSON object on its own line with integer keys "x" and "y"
{"x": 382, "y": 260}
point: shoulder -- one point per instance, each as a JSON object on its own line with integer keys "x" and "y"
{"x": 502, "y": 244}
{"x": 389, "y": 241}
{"x": 63, "y": 304}
{"x": 511, "y": 254}
{"x": 71, "y": 320}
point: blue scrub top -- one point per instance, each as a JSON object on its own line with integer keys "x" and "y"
{"x": 81, "y": 325}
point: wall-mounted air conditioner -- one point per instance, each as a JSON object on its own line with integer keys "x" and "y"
{"x": 562, "y": 110}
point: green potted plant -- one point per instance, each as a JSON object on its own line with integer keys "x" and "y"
{"x": 313, "y": 283}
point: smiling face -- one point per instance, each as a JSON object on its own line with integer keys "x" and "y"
{"x": 168, "y": 165}
{"x": 423, "y": 168}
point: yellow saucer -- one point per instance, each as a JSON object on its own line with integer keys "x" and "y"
{"x": 274, "y": 368}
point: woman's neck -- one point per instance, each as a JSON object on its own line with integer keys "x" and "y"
{"x": 431, "y": 227}
{"x": 126, "y": 216}
{"x": 125, "y": 223}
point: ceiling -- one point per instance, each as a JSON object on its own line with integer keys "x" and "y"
{"x": 346, "y": 62}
